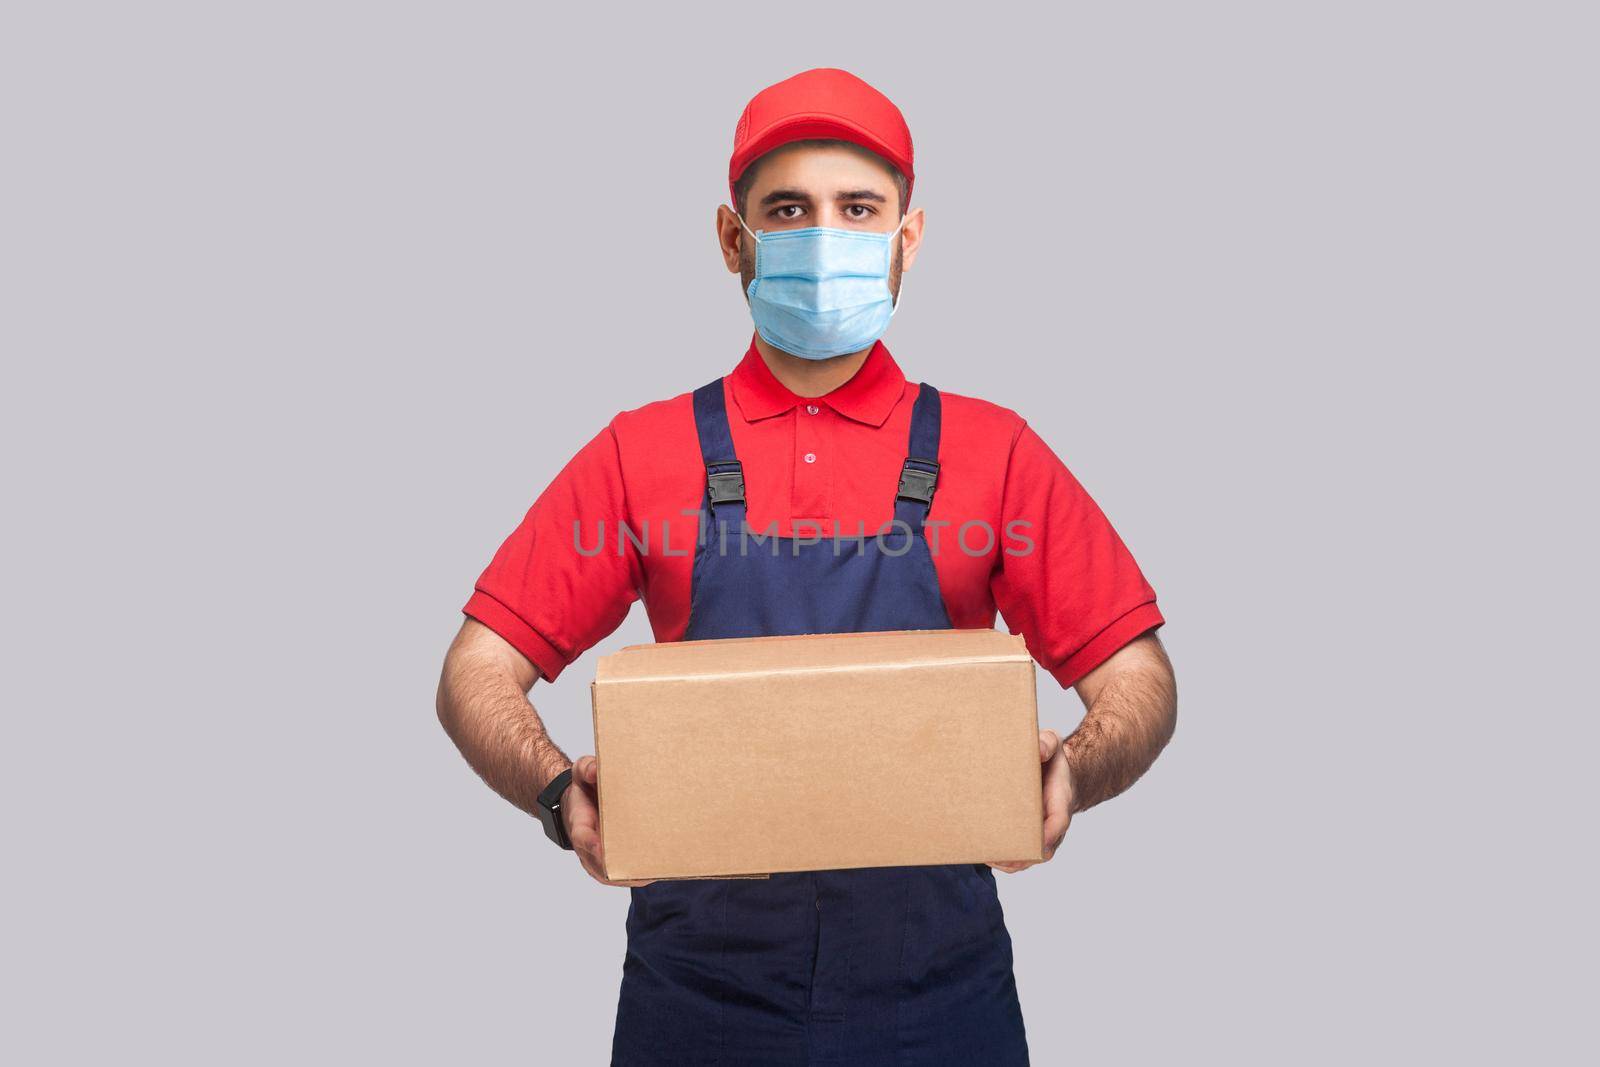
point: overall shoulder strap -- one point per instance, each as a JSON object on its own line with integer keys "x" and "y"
{"x": 919, "y": 475}
{"x": 724, "y": 475}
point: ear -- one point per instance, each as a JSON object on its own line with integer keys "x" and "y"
{"x": 910, "y": 238}
{"x": 730, "y": 237}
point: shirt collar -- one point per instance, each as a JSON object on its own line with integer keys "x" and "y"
{"x": 868, "y": 397}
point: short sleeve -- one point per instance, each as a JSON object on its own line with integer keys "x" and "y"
{"x": 566, "y": 576}
{"x": 1066, "y": 582}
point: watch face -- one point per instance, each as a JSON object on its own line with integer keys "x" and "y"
{"x": 551, "y": 820}
{"x": 549, "y": 809}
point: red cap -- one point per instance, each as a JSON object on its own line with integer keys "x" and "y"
{"x": 821, "y": 103}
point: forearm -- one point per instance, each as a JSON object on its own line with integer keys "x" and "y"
{"x": 485, "y": 710}
{"x": 1130, "y": 719}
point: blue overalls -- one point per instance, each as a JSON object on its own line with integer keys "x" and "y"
{"x": 886, "y": 965}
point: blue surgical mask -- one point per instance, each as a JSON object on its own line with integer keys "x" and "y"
{"x": 819, "y": 292}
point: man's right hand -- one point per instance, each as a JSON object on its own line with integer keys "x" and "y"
{"x": 580, "y": 807}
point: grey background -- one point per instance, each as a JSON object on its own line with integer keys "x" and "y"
{"x": 303, "y": 304}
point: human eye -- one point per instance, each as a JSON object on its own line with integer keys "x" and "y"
{"x": 788, "y": 212}
{"x": 858, "y": 212}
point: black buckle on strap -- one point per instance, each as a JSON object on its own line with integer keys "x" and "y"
{"x": 917, "y": 483}
{"x": 725, "y": 483}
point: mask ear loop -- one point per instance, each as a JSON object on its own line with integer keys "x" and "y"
{"x": 896, "y": 305}
{"x": 757, "y": 236}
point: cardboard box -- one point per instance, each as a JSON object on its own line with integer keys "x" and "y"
{"x": 767, "y": 754}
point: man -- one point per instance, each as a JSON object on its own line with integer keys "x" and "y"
{"x": 816, "y": 439}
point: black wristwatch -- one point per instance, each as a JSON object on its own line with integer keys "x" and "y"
{"x": 549, "y": 805}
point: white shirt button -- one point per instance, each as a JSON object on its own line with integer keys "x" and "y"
{"x": 812, "y": 409}
{"x": 811, "y": 457}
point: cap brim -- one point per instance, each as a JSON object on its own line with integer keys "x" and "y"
{"x": 806, "y": 127}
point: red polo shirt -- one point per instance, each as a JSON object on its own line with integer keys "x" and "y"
{"x": 1010, "y": 528}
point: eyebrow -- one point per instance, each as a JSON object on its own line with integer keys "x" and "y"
{"x": 778, "y": 196}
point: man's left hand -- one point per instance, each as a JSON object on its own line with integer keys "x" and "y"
{"x": 1057, "y": 800}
